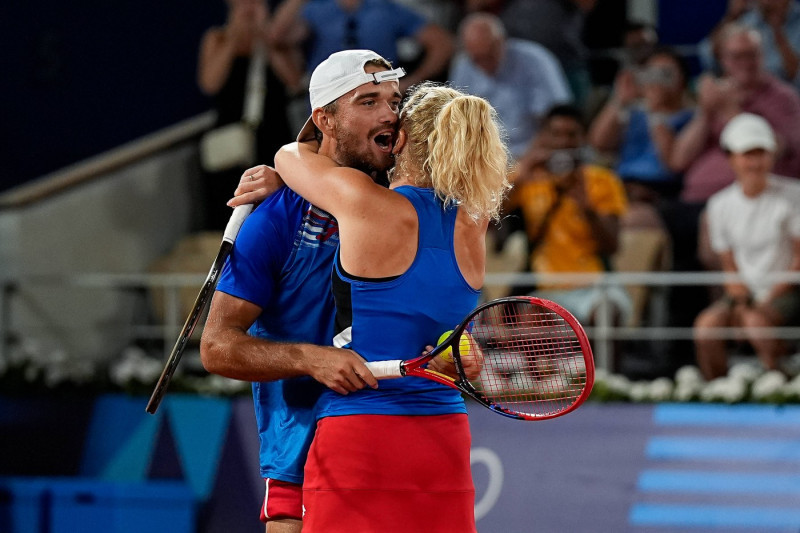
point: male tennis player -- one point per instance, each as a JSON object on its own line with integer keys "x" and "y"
{"x": 275, "y": 290}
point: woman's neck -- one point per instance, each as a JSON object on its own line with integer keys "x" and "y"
{"x": 404, "y": 174}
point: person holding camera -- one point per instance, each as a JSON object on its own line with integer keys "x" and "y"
{"x": 754, "y": 226}
{"x": 745, "y": 86}
{"x": 247, "y": 80}
{"x": 778, "y": 24}
{"x": 643, "y": 130}
{"x": 570, "y": 210}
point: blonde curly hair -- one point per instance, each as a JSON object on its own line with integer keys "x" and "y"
{"x": 455, "y": 146}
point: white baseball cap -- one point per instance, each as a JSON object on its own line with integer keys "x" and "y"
{"x": 746, "y": 132}
{"x": 338, "y": 75}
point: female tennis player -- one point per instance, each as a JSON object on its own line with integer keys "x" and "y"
{"x": 410, "y": 266}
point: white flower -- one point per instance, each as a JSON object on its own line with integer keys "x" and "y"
{"x": 572, "y": 367}
{"x": 660, "y": 390}
{"x": 214, "y": 384}
{"x": 688, "y": 375}
{"x": 222, "y": 385}
{"x": 792, "y": 389}
{"x": 522, "y": 383}
{"x": 134, "y": 366}
{"x": 768, "y": 384}
{"x": 724, "y": 389}
{"x": 745, "y": 371}
{"x": 686, "y": 392}
{"x": 638, "y": 391}
{"x": 619, "y": 384}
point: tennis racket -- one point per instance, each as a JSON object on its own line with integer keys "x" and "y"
{"x": 228, "y": 237}
{"x": 528, "y": 358}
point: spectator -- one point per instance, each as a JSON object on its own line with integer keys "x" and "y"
{"x": 644, "y": 131}
{"x": 558, "y": 26}
{"x": 570, "y": 210}
{"x": 445, "y": 13}
{"x": 744, "y": 86}
{"x": 327, "y": 26}
{"x": 639, "y": 41}
{"x": 778, "y": 24}
{"x": 225, "y": 56}
{"x": 754, "y": 225}
{"x": 521, "y": 79}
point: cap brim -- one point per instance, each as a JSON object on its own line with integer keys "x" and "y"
{"x": 743, "y": 146}
{"x": 307, "y": 132}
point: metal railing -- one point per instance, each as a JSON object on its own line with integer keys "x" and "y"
{"x": 603, "y": 334}
{"x": 97, "y": 166}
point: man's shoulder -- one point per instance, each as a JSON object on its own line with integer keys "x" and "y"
{"x": 723, "y": 197}
{"x": 777, "y": 89}
{"x": 529, "y": 50}
{"x": 283, "y": 199}
{"x": 281, "y": 208}
{"x": 462, "y": 67}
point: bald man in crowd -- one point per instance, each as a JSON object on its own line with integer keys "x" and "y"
{"x": 521, "y": 79}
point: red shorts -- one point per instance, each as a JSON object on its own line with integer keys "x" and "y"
{"x": 389, "y": 474}
{"x": 282, "y": 500}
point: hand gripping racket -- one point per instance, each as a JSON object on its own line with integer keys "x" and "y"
{"x": 534, "y": 358}
{"x": 231, "y": 230}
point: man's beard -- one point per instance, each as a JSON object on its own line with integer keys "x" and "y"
{"x": 351, "y": 152}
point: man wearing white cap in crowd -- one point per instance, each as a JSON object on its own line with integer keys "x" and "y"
{"x": 273, "y": 303}
{"x": 754, "y": 227}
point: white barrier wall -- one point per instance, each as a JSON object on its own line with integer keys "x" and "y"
{"x": 119, "y": 222}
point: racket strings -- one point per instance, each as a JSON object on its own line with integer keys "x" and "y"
{"x": 532, "y": 359}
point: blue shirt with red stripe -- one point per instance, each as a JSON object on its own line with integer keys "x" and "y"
{"x": 281, "y": 262}
{"x": 396, "y": 318}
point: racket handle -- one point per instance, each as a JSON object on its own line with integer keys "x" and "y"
{"x": 237, "y": 218}
{"x": 385, "y": 369}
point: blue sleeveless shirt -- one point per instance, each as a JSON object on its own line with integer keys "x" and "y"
{"x": 396, "y": 318}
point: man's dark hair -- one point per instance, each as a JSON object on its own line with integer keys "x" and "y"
{"x": 564, "y": 111}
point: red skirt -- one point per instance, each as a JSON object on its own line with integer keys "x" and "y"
{"x": 389, "y": 474}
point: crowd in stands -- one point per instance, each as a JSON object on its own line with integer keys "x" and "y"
{"x": 654, "y": 152}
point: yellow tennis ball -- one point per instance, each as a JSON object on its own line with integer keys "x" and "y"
{"x": 464, "y": 346}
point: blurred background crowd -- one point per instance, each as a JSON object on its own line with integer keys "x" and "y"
{"x": 619, "y": 117}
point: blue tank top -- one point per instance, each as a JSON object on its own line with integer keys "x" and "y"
{"x": 281, "y": 261}
{"x": 396, "y": 318}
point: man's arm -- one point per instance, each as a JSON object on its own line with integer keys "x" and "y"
{"x": 226, "y": 349}
{"x": 789, "y": 60}
{"x": 288, "y": 27}
{"x": 607, "y": 130}
{"x": 735, "y": 290}
{"x": 216, "y": 58}
{"x": 781, "y": 288}
{"x": 438, "y": 46}
{"x": 603, "y": 222}
{"x": 605, "y": 229}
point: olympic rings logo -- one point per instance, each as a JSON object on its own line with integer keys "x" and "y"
{"x": 494, "y": 466}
